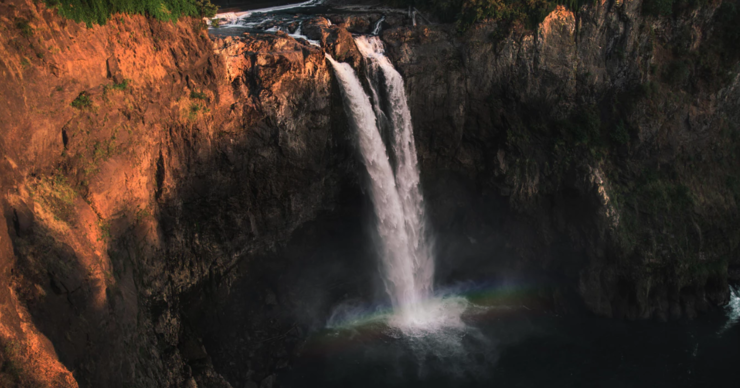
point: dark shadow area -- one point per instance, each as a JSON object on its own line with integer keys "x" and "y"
{"x": 256, "y": 324}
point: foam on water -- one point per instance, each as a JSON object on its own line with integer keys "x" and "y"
{"x": 298, "y": 34}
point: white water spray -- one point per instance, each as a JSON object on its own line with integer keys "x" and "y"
{"x": 406, "y": 258}
{"x": 733, "y": 309}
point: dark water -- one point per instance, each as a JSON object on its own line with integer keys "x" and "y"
{"x": 524, "y": 348}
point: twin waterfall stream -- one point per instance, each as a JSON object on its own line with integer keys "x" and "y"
{"x": 407, "y": 262}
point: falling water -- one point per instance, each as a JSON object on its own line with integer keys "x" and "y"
{"x": 389, "y": 104}
{"x": 733, "y": 309}
{"x": 407, "y": 262}
{"x": 378, "y": 25}
{"x": 396, "y": 244}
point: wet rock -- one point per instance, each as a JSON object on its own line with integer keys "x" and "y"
{"x": 356, "y": 24}
{"x": 314, "y": 28}
{"x": 268, "y": 382}
{"x": 335, "y": 40}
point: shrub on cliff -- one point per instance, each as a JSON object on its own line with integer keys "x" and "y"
{"x": 82, "y": 101}
{"x": 25, "y": 28}
{"x": 99, "y": 11}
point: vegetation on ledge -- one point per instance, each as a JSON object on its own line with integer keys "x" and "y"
{"x": 529, "y": 13}
{"x": 100, "y": 11}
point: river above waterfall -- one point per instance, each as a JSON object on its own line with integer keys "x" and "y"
{"x": 278, "y": 16}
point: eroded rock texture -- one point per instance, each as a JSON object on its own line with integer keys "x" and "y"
{"x": 146, "y": 168}
{"x": 142, "y": 160}
{"x": 603, "y": 137}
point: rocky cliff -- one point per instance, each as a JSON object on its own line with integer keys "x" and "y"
{"x": 141, "y": 160}
{"x": 608, "y": 133}
{"x": 146, "y": 168}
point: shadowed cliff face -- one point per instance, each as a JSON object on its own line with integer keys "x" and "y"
{"x": 603, "y": 132}
{"x": 150, "y": 174}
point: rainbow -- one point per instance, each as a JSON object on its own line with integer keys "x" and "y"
{"x": 365, "y": 325}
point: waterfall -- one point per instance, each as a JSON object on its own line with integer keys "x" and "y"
{"x": 407, "y": 264}
{"x": 378, "y": 26}
{"x": 389, "y": 104}
{"x": 732, "y": 309}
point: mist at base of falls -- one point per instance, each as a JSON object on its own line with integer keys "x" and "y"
{"x": 444, "y": 338}
{"x": 406, "y": 259}
{"x": 326, "y": 282}
{"x": 511, "y": 346}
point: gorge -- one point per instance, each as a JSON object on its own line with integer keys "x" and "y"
{"x": 241, "y": 205}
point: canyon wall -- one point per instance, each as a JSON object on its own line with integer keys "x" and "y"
{"x": 146, "y": 167}
{"x": 141, "y": 160}
{"x": 606, "y": 132}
